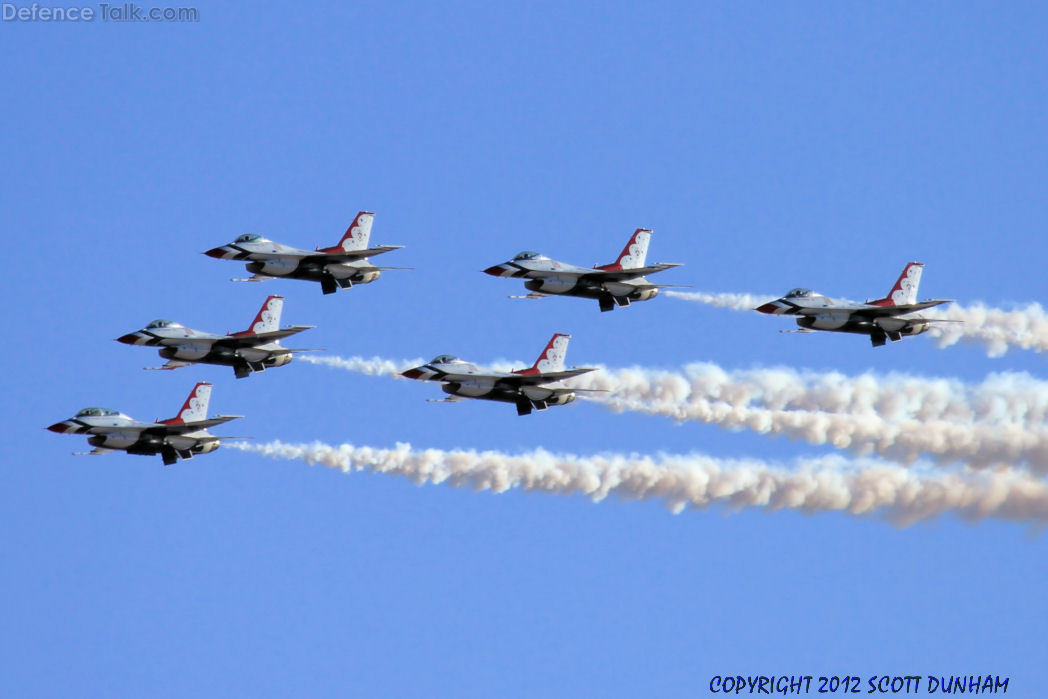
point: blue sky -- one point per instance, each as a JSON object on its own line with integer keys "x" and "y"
{"x": 768, "y": 146}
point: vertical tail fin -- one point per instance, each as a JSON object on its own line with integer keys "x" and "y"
{"x": 634, "y": 254}
{"x": 267, "y": 319}
{"x": 358, "y": 234}
{"x": 552, "y": 358}
{"x": 905, "y": 290}
{"x": 195, "y": 407}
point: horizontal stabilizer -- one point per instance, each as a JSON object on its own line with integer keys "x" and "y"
{"x": 381, "y": 249}
{"x": 928, "y": 303}
{"x": 532, "y": 295}
{"x": 255, "y": 278}
{"x": 798, "y": 331}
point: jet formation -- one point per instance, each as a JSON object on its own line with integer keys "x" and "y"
{"x": 616, "y": 284}
{"x": 254, "y": 349}
{"x": 526, "y": 388}
{"x": 179, "y": 437}
{"x": 883, "y": 319}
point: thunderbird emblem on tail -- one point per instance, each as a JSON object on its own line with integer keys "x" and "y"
{"x": 524, "y": 387}
{"x": 616, "y": 284}
{"x": 883, "y": 319}
{"x": 179, "y": 437}
{"x": 338, "y": 267}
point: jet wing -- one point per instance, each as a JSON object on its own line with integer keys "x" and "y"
{"x": 538, "y": 379}
{"x": 887, "y": 311}
{"x": 255, "y": 339}
{"x": 161, "y": 429}
{"x": 514, "y": 379}
{"x": 625, "y": 274}
{"x": 322, "y": 257}
{"x": 601, "y": 275}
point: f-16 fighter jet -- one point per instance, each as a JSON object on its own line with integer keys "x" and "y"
{"x": 340, "y": 266}
{"x": 884, "y": 319}
{"x": 254, "y": 349}
{"x": 615, "y": 284}
{"x": 175, "y": 438}
{"x": 525, "y": 387}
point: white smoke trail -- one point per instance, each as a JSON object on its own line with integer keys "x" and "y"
{"x": 380, "y": 366}
{"x": 1001, "y": 421}
{"x": 995, "y": 329}
{"x": 828, "y": 484}
{"x": 375, "y": 366}
{"x": 735, "y": 302}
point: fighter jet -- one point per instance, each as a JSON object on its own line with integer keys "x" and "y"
{"x": 883, "y": 319}
{"x": 340, "y": 266}
{"x": 614, "y": 284}
{"x": 524, "y": 387}
{"x": 254, "y": 349}
{"x": 175, "y": 438}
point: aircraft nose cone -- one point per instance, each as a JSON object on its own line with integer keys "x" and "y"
{"x": 411, "y": 373}
{"x": 496, "y": 270}
{"x": 59, "y": 427}
{"x": 129, "y": 339}
{"x": 217, "y": 253}
{"x": 769, "y": 307}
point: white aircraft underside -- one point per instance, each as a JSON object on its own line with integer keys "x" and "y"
{"x": 890, "y": 318}
{"x": 616, "y": 284}
{"x": 525, "y": 388}
{"x": 254, "y": 349}
{"x": 176, "y": 438}
{"x": 337, "y": 267}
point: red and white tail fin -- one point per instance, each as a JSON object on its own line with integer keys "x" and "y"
{"x": 905, "y": 290}
{"x": 635, "y": 252}
{"x": 358, "y": 234}
{"x": 552, "y": 358}
{"x": 267, "y": 319}
{"x": 195, "y": 407}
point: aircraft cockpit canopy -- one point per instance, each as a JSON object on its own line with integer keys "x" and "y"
{"x": 528, "y": 255}
{"x": 248, "y": 238}
{"x": 445, "y": 359}
{"x": 798, "y": 293}
{"x": 97, "y": 412}
{"x": 163, "y": 323}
